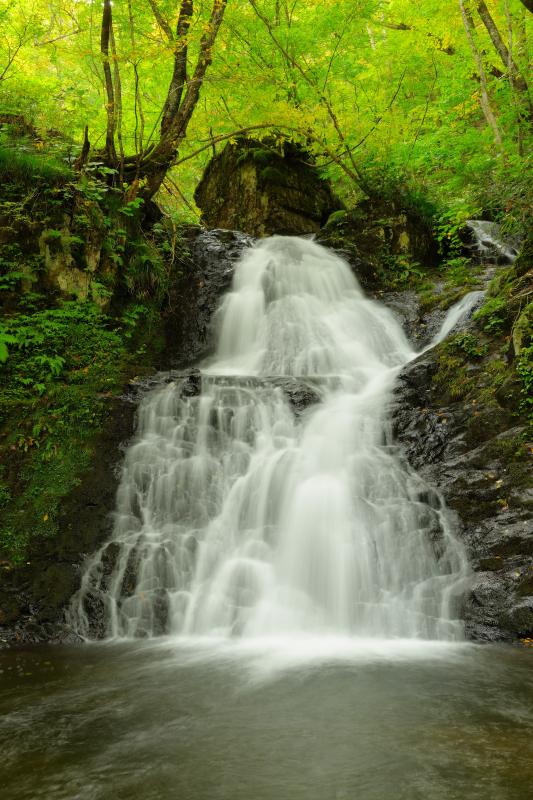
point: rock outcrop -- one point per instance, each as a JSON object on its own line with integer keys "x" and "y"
{"x": 380, "y": 238}
{"x": 257, "y": 188}
{"x": 480, "y": 464}
{"x": 206, "y": 273}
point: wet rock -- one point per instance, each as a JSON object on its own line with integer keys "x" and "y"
{"x": 484, "y": 485}
{"x": 301, "y": 395}
{"x": 192, "y": 385}
{"x": 206, "y": 274}
{"x": 34, "y": 596}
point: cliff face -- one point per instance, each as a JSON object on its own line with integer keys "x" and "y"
{"x": 479, "y": 460}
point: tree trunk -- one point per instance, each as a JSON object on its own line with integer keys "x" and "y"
{"x": 179, "y": 74}
{"x": 505, "y": 54}
{"x": 179, "y": 107}
{"x": 484, "y": 98}
{"x": 107, "y": 22}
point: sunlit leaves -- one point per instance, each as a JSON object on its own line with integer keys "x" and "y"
{"x": 392, "y": 79}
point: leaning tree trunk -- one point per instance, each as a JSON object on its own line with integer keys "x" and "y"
{"x": 485, "y": 103}
{"x": 149, "y": 167}
{"x": 179, "y": 105}
{"x": 105, "y": 38}
{"x": 516, "y": 77}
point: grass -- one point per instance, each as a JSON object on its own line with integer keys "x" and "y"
{"x": 26, "y": 164}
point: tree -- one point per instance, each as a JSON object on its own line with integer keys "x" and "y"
{"x": 149, "y": 167}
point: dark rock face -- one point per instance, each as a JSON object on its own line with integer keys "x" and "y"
{"x": 33, "y": 598}
{"x": 206, "y": 275}
{"x": 254, "y": 187}
{"x": 488, "y": 489}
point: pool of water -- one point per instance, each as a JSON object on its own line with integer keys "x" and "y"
{"x": 268, "y": 720}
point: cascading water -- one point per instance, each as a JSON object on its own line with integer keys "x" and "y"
{"x": 488, "y": 243}
{"x": 457, "y": 314}
{"x": 236, "y": 516}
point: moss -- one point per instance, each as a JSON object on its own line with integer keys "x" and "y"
{"x": 493, "y": 315}
{"x": 260, "y": 155}
{"x": 522, "y": 330}
{"x": 273, "y": 175}
{"x": 335, "y": 220}
{"x": 23, "y": 164}
{"x": 64, "y": 366}
{"x": 451, "y": 378}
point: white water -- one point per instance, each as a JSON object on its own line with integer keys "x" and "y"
{"x": 457, "y": 314}
{"x": 236, "y": 517}
{"x": 489, "y": 244}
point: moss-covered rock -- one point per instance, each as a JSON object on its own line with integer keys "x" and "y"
{"x": 386, "y": 242}
{"x": 262, "y": 188}
{"x": 464, "y": 419}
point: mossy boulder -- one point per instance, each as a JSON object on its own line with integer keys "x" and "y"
{"x": 383, "y": 240}
{"x": 262, "y": 188}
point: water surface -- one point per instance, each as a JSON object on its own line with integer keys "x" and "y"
{"x": 324, "y": 719}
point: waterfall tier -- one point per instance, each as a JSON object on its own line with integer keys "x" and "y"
{"x": 237, "y": 517}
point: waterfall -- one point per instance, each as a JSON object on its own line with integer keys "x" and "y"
{"x": 457, "y": 314}
{"x": 488, "y": 243}
{"x": 237, "y": 516}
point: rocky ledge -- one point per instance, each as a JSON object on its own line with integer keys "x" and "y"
{"x": 483, "y": 474}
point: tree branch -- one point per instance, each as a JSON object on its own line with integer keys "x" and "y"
{"x": 484, "y": 97}
{"x": 179, "y": 74}
{"x": 161, "y": 21}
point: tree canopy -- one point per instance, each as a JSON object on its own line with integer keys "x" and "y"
{"x": 436, "y": 94}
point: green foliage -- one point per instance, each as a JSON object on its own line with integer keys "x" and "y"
{"x": 62, "y": 366}
{"x": 16, "y": 268}
{"x": 48, "y": 343}
{"x": 469, "y": 344}
{"x": 459, "y": 272}
{"x": 524, "y": 368}
{"x": 400, "y": 270}
{"x": 448, "y": 226}
{"x": 147, "y": 274}
{"x": 388, "y": 99}
{"x": 131, "y": 209}
{"x": 493, "y": 315}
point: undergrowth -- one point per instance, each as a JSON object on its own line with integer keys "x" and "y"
{"x": 60, "y": 368}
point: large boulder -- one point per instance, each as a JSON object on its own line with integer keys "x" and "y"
{"x": 259, "y": 189}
